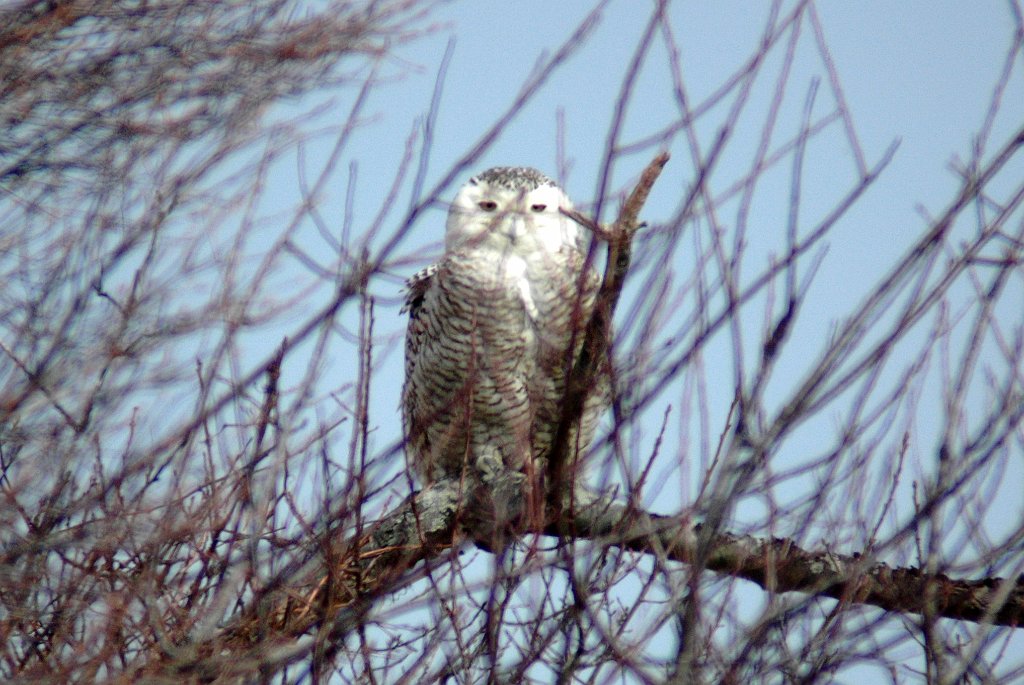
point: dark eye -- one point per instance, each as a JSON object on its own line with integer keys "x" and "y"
{"x": 487, "y": 205}
{"x": 538, "y": 207}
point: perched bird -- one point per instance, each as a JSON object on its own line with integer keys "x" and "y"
{"x": 493, "y": 330}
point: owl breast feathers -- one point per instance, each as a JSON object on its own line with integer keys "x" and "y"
{"x": 493, "y": 330}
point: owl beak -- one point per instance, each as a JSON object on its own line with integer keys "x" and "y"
{"x": 515, "y": 228}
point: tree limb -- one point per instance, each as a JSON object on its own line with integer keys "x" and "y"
{"x": 331, "y": 602}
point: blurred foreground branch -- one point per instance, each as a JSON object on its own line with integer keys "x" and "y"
{"x": 598, "y": 334}
{"x": 330, "y": 593}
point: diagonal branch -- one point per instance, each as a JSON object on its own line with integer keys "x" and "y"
{"x": 779, "y": 565}
{"x": 598, "y": 333}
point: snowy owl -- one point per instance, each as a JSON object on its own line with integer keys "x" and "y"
{"x": 493, "y": 329}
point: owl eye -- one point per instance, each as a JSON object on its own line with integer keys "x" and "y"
{"x": 487, "y": 205}
{"x": 538, "y": 207}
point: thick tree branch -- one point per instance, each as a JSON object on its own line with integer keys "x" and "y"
{"x": 779, "y": 565}
{"x": 315, "y": 603}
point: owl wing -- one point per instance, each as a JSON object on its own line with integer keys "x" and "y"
{"x": 469, "y": 362}
{"x": 416, "y": 287}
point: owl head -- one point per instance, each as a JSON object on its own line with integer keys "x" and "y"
{"x": 511, "y": 209}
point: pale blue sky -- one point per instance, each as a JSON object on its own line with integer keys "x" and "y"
{"x": 918, "y": 72}
{"x": 921, "y": 73}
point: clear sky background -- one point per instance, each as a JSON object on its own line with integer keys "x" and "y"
{"x": 917, "y": 73}
{"x": 920, "y": 73}
{"x": 247, "y": 242}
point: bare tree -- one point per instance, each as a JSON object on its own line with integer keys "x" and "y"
{"x": 192, "y": 486}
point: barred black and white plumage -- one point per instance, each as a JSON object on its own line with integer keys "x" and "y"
{"x": 493, "y": 328}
